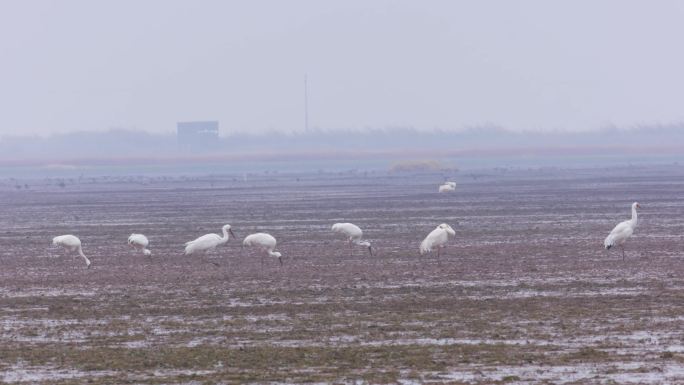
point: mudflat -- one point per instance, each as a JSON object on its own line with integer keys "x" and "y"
{"x": 524, "y": 294}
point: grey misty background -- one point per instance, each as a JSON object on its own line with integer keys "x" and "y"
{"x": 394, "y": 142}
{"x": 84, "y": 81}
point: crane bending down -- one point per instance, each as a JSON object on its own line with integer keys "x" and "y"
{"x": 447, "y": 187}
{"x": 71, "y": 243}
{"x": 266, "y": 243}
{"x": 622, "y": 231}
{"x": 437, "y": 239}
{"x": 139, "y": 242}
{"x": 354, "y": 233}
{"x": 208, "y": 242}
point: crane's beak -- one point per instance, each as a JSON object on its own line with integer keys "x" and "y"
{"x": 638, "y": 206}
{"x": 231, "y": 233}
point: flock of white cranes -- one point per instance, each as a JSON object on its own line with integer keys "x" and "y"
{"x": 266, "y": 243}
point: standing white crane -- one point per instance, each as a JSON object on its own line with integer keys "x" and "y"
{"x": 139, "y": 242}
{"x": 622, "y": 231}
{"x": 437, "y": 239}
{"x": 208, "y": 242}
{"x": 447, "y": 187}
{"x": 354, "y": 233}
{"x": 72, "y": 244}
{"x": 266, "y": 243}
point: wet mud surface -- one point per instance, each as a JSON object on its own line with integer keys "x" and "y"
{"x": 524, "y": 294}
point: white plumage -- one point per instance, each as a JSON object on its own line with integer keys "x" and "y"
{"x": 353, "y": 233}
{"x": 139, "y": 242}
{"x": 208, "y": 242}
{"x": 72, "y": 244}
{"x": 447, "y": 187}
{"x": 437, "y": 239}
{"x": 264, "y": 242}
{"x": 622, "y": 231}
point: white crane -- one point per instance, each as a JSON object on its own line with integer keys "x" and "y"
{"x": 72, "y": 244}
{"x": 622, "y": 231}
{"x": 447, "y": 187}
{"x": 437, "y": 239}
{"x": 266, "y": 243}
{"x": 139, "y": 242}
{"x": 354, "y": 233}
{"x": 208, "y": 242}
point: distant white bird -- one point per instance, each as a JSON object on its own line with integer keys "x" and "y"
{"x": 447, "y": 187}
{"x": 139, "y": 242}
{"x": 622, "y": 231}
{"x": 354, "y": 233}
{"x": 437, "y": 239}
{"x": 72, "y": 244}
{"x": 264, "y": 242}
{"x": 208, "y": 242}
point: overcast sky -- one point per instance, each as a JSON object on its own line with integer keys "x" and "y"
{"x": 578, "y": 65}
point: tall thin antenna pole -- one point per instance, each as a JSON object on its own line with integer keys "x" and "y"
{"x": 306, "y": 104}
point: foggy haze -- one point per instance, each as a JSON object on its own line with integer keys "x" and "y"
{"x": 363, "y": 149}
{"x": 73, "y": 66}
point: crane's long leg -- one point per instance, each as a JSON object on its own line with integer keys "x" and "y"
{"x": 281, "y": 260}
{"x": 623, "y": 252}
{"x": 208, "y": 260}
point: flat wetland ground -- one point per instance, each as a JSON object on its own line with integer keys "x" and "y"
{"x": 525, "y": 293}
